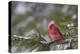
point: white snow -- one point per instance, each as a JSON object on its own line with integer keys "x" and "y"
{"x": 29, "y": 33}
{"x": 25, "y": 37}
{"x": 70, "y": 25}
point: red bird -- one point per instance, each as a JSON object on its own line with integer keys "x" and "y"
{"x": 54, "y": 32}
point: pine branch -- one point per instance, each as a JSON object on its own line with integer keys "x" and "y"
{"x": 23, "y": 37}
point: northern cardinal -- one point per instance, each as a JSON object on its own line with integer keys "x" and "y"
{"x": 54, "y": 31}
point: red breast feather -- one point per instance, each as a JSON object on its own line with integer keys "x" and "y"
{"x": 54, "y": 33}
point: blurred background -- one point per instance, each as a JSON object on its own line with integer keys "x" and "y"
{"x": 29, "y": 24}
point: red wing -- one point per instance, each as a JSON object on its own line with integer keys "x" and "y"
{"x": 60, "y": 34}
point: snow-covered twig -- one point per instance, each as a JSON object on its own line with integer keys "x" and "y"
{"x": 24, "y": 37}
